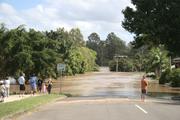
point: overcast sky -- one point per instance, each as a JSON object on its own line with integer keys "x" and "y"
{"x": 100, "y": 16}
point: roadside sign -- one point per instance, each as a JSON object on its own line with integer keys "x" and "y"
{"x": 61, "y": 67}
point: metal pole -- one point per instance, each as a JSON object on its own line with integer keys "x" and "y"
{"x": 170, "y": 63}
{"x": 117, "y": 65}
{"x": 60, "y": 81}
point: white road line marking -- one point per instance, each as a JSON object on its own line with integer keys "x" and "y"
{"x": 141, "y": 109}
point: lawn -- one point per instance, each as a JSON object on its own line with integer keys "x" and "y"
{"x": 12, "y": 108}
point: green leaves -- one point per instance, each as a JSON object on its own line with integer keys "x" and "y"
{"x": 158, "y": 20}
{"x": 107, "y": 49}
{"x": 39, "y": 52}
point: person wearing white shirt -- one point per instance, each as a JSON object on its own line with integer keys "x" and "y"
{"x": 7, "y": 86}
{"x": 21, "y": 81}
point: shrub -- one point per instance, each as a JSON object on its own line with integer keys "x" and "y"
{"x": 165, "y": 77}
{"x": 123, "y": 65}
{"x": 175, "y": 78}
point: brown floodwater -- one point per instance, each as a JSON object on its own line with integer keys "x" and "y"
{"x": 112, "y": 84}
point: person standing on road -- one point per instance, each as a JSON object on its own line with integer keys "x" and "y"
{"x": 144, "y": 85}
{"x": 33, "y": 81}
{"x": 7, "y": 86}
{"x": 22, "y": 88}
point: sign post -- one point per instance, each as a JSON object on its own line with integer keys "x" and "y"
{"x": 60, "y": 68}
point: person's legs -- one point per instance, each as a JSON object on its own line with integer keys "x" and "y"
{"x": 143, "y": 93}
{"x": 20, "y": 91}
{"x": 49, "y": 89}
{"x": 7, "y": 91}
{"x": 33, "y": 89}
{"x": 2, "y": 97}
{"x": 40, "y": 88}
{"x": 142, "y": 97}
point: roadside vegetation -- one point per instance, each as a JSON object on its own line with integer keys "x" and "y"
{"x": 12, "y": 108}
{"x": 156, "y": 28}
{"x": 30, "y": 51}
{"x": 155, "y": 24}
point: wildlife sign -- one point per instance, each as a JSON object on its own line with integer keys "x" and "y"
{"x": 61, "y": 67}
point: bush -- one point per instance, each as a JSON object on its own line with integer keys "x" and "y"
{"x": 165, "y": 77}
{"x": 175, "y": 77}
{"x": 171, "y": 76}
{"x": 123, "y": 66}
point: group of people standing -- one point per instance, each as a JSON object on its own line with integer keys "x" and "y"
{"x": 35, "y": 85}
{"x": 4, "y": 89}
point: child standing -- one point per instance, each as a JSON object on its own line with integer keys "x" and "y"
{"x": 2, "y": 92}
{"x": 44, "y": 88}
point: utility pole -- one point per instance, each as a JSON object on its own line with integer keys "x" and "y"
{"x": 117, "y": 57}
{"x": 117, "y": 65}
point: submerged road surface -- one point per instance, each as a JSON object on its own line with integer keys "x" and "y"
{"x": 104, "y": 84}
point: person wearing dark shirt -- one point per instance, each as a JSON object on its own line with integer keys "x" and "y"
{"x": 39, "y": 83}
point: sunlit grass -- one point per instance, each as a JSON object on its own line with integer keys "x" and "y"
{"x": 12, "y": 108}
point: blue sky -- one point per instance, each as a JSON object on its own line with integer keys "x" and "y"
{"x": 23, "y": 4}
{"x": 100, "y": 16}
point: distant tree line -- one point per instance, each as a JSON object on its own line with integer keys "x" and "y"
{"x": 106, "y": 49}
{"x": 31, "y": 51}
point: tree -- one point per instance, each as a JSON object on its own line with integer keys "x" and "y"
{"x": 157, "y": 61}
{"x": 77, "y": 37}
{"x": 94, "y": 44}
{"x": 154, "y": 22}
{"x": 114, "y": 46}
{"x": 74, "y": 55}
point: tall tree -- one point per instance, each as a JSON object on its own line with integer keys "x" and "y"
{"x": 77, "y": 37}
{"x": 154, "y": 22}
{"x": 94, "y": 44}
{"x": 114, "y": 46}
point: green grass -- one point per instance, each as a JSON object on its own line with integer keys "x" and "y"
{"x": 12, "y": 108}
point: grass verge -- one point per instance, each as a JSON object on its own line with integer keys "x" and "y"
{"x": 11, "y": 108}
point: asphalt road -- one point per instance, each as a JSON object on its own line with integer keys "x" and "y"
{"x": 105, "y": 109}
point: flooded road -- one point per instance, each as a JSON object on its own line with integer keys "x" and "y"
{"x": 112, "y": 84}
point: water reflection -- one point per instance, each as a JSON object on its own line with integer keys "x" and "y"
{"x": 105, "y": 83}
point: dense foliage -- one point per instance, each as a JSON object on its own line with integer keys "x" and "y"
{"x": 124, "y": 65}
{"x": 156, "y": 26}
{"x": 172, "y": 77}
{"x": 32, "y": 51}
{"x": 154, "y": 22}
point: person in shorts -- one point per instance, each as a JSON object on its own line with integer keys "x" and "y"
{"x": 144, "y": 85}
{"x": 33, "y": 81}
{"x": 22, "y": 88}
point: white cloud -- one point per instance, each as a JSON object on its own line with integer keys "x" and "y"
{"x": 10, "y": 16}
{"x": 101, "y": 16}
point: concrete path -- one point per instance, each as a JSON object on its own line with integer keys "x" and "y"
{"x": 105, "y": 109}
{"x": 12, "y": 98}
